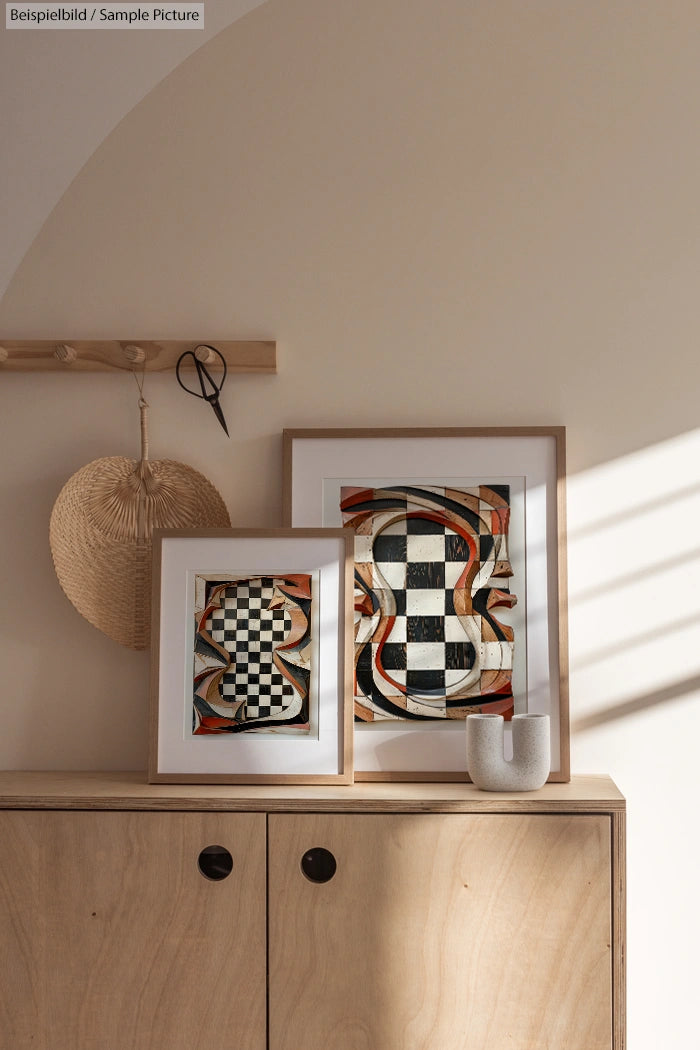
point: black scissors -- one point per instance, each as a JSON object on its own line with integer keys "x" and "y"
{"x": 204, "y": 377}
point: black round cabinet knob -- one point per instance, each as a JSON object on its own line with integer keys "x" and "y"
{"x": 318, "y": 864}
{"x": 215, "y": 862}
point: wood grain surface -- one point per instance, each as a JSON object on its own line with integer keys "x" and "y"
{"x": 91, "y": 355}
{"x": 97, "y": 790}
{"x": 111, "y": 937}
{"x": 476, "y": 932}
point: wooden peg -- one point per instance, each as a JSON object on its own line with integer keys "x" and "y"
{"x": 136, "y": 355}
{"x": 65, "y": 352}
{"x": 3, "y": 355}
{"x": 206, "y": 355}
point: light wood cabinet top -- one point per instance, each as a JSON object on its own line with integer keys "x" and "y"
{"x": 127, "y": 791}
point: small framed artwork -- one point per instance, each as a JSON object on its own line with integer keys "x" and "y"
{"x": 251, "y": 672}
{"x": 459, "y": 583}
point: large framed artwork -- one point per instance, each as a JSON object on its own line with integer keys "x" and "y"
{"x": 251, "y": 678}
{"x": 459, "y": 583}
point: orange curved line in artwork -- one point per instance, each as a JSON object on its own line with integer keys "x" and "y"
{"x": 364, "y": 604}
{"x": 362, "y": 713}
{"x": 300, "y": 627}
{"x": 358, "y": 495}
{"x": 299, "y": 588}
{"x": 471, "y": 568}
{"x": 201, "y": 623}
{"x": 461, "y": 594}
{"x": 354, "y": 491}
{"x": 211, "y": 724}
{"x": 500, "y": 517}
{"x": 363, "y": 523}
{"x": 497, "y": 518}
{"x": 214, "y": 603}
{"x": 495, "y": 680}
{"x": 375, "y": 495}
{"x": 364, "y": 527}
{"x": 386, "y": 625}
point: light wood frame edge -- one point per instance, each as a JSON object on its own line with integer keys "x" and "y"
{"x": 345, "y": 775}
{"x": 563, "y": 774}
{"x": 156, "y": 546}
{"x": 618, "y": 820}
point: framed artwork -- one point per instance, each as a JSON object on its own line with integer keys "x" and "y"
{"x": 251, "y": 678}
{"x": 459, "y": 583}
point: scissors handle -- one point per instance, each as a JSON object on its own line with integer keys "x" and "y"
{"x": 202, "y": 374}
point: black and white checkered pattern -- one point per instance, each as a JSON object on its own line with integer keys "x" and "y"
{"x": 250, "y": 632}
{"x": 421, "y": 561}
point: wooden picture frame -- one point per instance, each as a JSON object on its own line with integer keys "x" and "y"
{"x": 531, "y": 461}
{"x": 251, "y": 656}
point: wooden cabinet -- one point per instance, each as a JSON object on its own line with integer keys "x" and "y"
{"x": 111, "y": 938}
{"x": 478, "y": 931}
{"x": 453, "y": 919}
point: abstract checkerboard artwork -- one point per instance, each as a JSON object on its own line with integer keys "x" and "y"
{"x": 252, "y": 649}
{"x": 431, "y": 570}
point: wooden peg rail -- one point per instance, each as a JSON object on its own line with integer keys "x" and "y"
{"x": 79, "y": 355}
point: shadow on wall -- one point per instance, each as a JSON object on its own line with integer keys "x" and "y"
{"x": 634, "y": 583}
{"x": 637, "y": 704}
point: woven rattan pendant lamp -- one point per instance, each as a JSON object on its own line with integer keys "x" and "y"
{"x": 102, "y": 526}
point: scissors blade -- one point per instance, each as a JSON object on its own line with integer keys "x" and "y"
{"x": 219, "y": 414}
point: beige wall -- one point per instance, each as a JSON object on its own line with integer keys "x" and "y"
{"x": 446, "y": 212}
{"x": 62, "y": 93}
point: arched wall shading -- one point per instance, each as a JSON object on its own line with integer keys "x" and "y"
{"x": 63, "y": 92}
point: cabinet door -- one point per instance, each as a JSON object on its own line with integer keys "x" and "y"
{"x": 111, "y": 937}
{"x": 455, "y": 932}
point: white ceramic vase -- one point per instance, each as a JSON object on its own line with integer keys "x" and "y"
{"x": 486, "y": 763}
